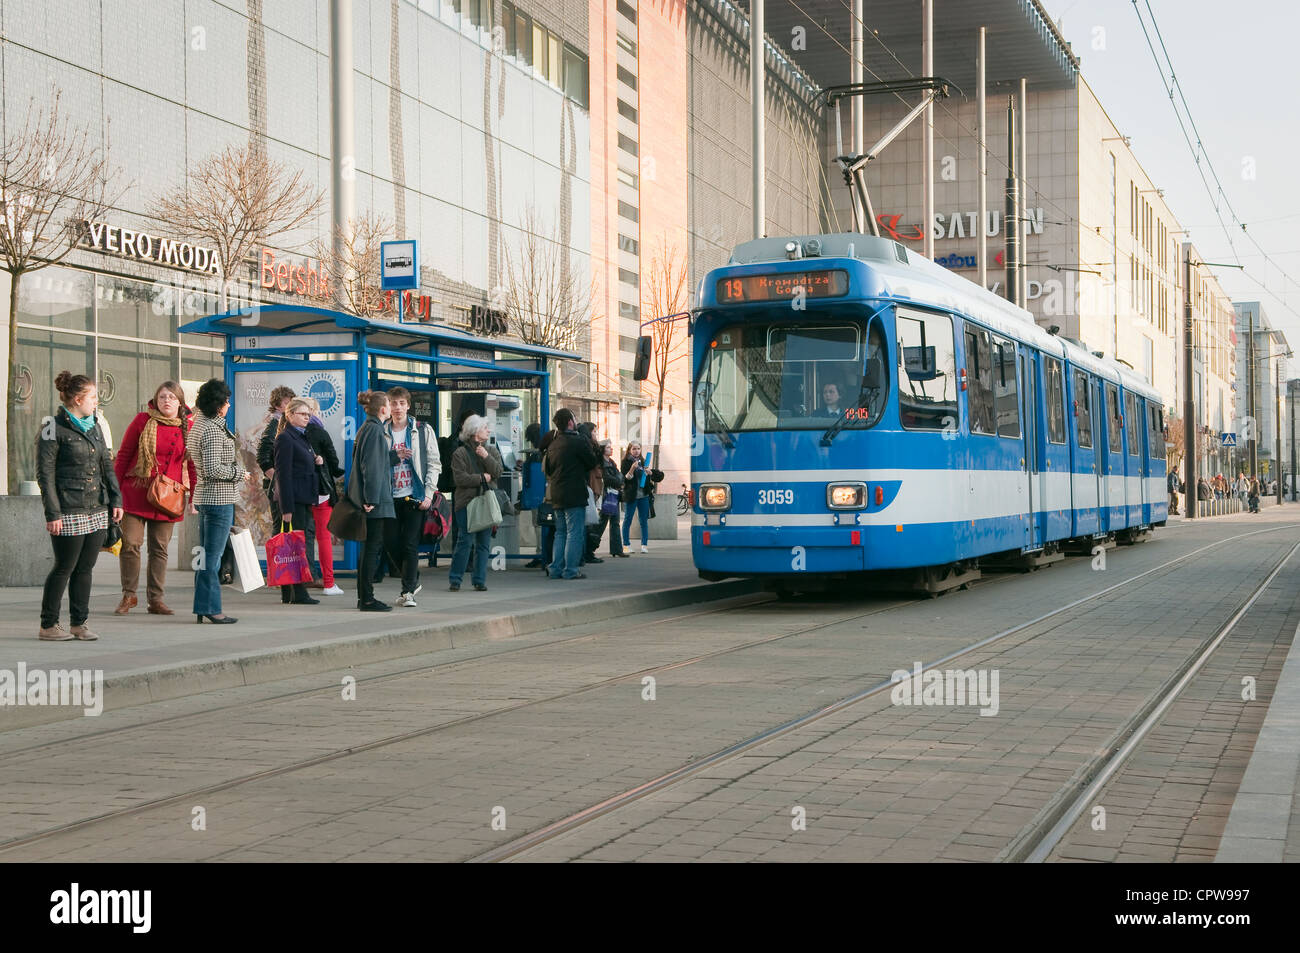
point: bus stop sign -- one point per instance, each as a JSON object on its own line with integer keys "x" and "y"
{"x": 399, "y": 269}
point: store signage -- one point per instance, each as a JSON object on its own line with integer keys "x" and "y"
{"x": 414, "y": 307}
{"x": 294, "y": 279}
{"x": 487, "y": 320}
{"x": 958, "y": 262}
{"x": 955, "y": 225}
{"x": 141, "y": 246}
{"x": 452, "y": 352}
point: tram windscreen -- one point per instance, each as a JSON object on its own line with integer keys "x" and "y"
{"x": 784, "y": 376}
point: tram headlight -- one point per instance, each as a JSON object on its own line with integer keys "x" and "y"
{"x": 846, "y": 496}
{"x": 715, "y": 496}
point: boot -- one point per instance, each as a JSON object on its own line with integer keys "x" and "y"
{"x": 160, "y": 608}
{"x": 300, "y": 597}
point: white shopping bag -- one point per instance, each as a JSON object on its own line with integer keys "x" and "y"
{"x": 248, "y": 571}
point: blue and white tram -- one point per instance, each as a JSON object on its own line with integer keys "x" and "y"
{"x": 858, "y": 408}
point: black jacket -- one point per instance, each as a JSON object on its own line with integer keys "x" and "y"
{"x": 631, "y": 485}
{"x": 613, "y": 477}
{"x": 75, "y": 470}
{"x": 266, "y": 451}
{"x": 295, "y": 472}
{"x": 570, "y": 458}
{"x": 322, "y": 445}
{"x": 371, "y": 480}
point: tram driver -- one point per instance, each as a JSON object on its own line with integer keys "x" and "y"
{"x": 831, "y": 403}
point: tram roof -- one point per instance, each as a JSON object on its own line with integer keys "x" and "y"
{"x": 287, "y": 319}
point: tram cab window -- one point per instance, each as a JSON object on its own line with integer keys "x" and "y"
{"x": 785, "y": 376}
{"x": 1055, "y": 401}
{"x": 979, "y": 380}
{"x": 1156, "y": 438}
{"x": 1134, "y": 425}
{"x": 1006, "y": 402}
{"x": 1114, "y": 420}
{"x": 927, "y": 376}
{"x": 1082, "y": 409}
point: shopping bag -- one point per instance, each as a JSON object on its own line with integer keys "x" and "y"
{"x": 286, "y": 559}
{"x": 593, "y": 511}
{"x": 248, "y": 571}
{"x": 483, "y": 512}
{"x": 609, "y": 505}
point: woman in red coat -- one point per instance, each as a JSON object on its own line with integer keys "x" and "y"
{"x": 154, "y": 443}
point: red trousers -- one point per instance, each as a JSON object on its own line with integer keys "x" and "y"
{"x": 324, "y": 544}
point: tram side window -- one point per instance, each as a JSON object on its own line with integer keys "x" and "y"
{"x": 1157, "y": 439}
{"x": 1006, "y": 402}
{"x": 1114, "y": 419}
{"x": 927, "y": 377}
{"x": 1134, "y": 425}
{"x": 1082, "y": 409}
{"x": 1055, "y": 401}
{"x": 979, "y": 380}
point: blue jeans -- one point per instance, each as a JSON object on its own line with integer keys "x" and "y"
{"x": 570, "y": 539}
{"x": 641, "y": 507}
{"x": 464, "y": 540}
{"x": 546, "y": 551}
{"x": 215, "y": 521}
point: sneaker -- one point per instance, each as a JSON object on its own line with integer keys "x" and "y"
{"x": 454, "y": 587}
{"x": 333, "y": 591}
{"x": 416, "y": 590}
{"x": 83, "y": 633}
{"x": 374, "y": 606}
{"x": 480, "y": 587}
{"x": 55, "y": 633}
{"x": 406, "y": 600}
{"x": 645, "y": 548}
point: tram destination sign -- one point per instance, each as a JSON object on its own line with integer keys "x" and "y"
{"x": 783, "y": 286}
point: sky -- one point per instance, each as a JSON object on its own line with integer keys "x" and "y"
{"x": 1235, "y": 63}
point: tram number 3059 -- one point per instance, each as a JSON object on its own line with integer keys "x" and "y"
{"x": 775, "y": 497}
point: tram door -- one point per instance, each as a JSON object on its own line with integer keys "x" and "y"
{"x": 1116, "y": 484}
{"x": 1138, "y": 461}
{"x": 1030, "y": 373}
{"x": 1100, "y": 432}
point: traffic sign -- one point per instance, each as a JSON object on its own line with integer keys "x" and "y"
{"x": 1229, "y": 439}
{"x": 399, "y": 267}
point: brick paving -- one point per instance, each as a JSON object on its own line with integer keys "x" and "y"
{"x": 875, "y": 782}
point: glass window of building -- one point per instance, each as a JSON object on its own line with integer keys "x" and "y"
{"x": 627, "y": 144}
{"x": 626, "y": 111}
{"x": 554, "y": 63}
{"x": 627, "y": 178}
{"x": 628, "y": 46}
{"x": 627, "y": 10}
{"x": 627, "y": 77}
{"x": 575, "y": 76}
{"x": 628, "y": 277}
{"x": 539, "y": 52}
{"x": 628, "y": 211}
{"x": 56, "y": 296}
{"x": 40, "y": 356}
{"x": 134, "y": 309}
{"x": 629, "y": 245}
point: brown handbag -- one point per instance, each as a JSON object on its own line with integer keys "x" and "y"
{"x": 168, "y": 496}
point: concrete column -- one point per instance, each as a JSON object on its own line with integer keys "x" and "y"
{"x": 757, "y": 92}
{"x": 981, "y": 135}
{"x": 343, "y": 153}
{"x": 927, "y": 69}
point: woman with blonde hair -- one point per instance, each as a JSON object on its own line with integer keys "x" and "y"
{"x": 295, "y": 482}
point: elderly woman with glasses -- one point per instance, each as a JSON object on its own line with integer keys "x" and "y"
{"x": 476, "y": 466}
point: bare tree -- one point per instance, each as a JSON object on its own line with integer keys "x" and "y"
{"x": 546, "y": 303}
{"x": 665, "y": 296}
{"x": 52, "y": 178}
{"x": 235, "y": 199}
{"x": 353, "y": 264}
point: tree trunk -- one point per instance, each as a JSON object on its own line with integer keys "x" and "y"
{"x": 12, "y": 437}
{"x": 659, "y": 426}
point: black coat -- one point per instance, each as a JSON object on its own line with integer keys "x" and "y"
{"x": 75, "y": 470}
{"x": 613, "y": 477}
{"x": 631, "y": 485}
{"x": 570, "y": 458}
{"x": 371, "y": 480}
{"x": 322, "y": 445}
{"x": 295, "y": 472}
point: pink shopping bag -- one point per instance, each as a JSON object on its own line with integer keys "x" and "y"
{"x": 286, "y": 559}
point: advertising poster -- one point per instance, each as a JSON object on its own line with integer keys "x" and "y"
{"x": 252, "y": 393}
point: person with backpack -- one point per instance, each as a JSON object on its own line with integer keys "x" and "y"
{"x": 417, "y": 466}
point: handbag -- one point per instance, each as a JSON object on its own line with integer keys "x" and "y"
{"x": 609, "y": 504}
{"x": 593, "y": 512}
{"x": 545, "y": 514}
{"x": 348, "y": 521}
{"x": 286, "y": 558}
{"x": 113, "y": 541}
{"x": 248, "y": 571}
{"x": 168, "y": 496}
{"x": 482, "y": 513}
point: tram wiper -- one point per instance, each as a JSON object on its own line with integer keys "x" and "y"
{"x": 870, "y": 383}
{"x": 724, "y": 433}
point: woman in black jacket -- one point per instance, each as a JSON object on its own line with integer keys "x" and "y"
{"x": 613, "y": 483}
{"x": 78, "y": 488}
{"x": 295, "y": 482}
{"x": 327, "y": 471}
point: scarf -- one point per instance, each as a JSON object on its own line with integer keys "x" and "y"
{"x": 84, "y": 424}
{"x": 146, "y": 456}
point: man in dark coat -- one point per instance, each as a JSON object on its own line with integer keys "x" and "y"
{"x": 570, "y": 458}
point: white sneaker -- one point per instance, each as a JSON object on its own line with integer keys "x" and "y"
{"x": 645, "y": 548}
{"x": 333, "y": 591}
{"x": 417, "y": 590}
{"x": 406, "y": 599}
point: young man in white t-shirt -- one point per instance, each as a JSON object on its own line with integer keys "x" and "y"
{"x": 416, "y": 465}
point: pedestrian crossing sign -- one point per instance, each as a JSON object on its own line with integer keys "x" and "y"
{"x": 1229, "y": 439}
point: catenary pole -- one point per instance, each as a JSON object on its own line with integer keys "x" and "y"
{"x": 342, "y": 125}
{"x": 1189, "y": 405}
{"x": 981, "y": 148}
{"x": 757, "y": 77}
{"x": 927, "y": 69}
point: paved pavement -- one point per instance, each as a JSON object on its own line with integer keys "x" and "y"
{"x": 455, "y": 752}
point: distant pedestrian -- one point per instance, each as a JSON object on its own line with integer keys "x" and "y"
{"x": 296, "y": 484}
{"x": 544, "y": 515}
{"x": 211, "y": 447}
{"x": 613, "y": 478}
{"x": 569, "y": 459}
{"x": 152, "y": 447}
{"x": 370, "y": 487}
{"x": 476, "y": 467}
{"x": 416, "y": 468}
{"x": 327, "y": 471}
{"x": 1175, "y": 485}
{"x": 79, "y": 489}
{"x": 1252, "y": 495}
{"x": 638, "y": 494}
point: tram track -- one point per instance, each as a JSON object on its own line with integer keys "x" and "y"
{"x": 1024, "y": 845}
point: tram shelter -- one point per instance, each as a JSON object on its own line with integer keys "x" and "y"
{"x": 333, "y": 356}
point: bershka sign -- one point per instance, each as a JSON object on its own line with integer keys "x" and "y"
{"x": 115, "y": 240}
{"x": 955, "y": 225}
{"x": 298, "y": 279}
